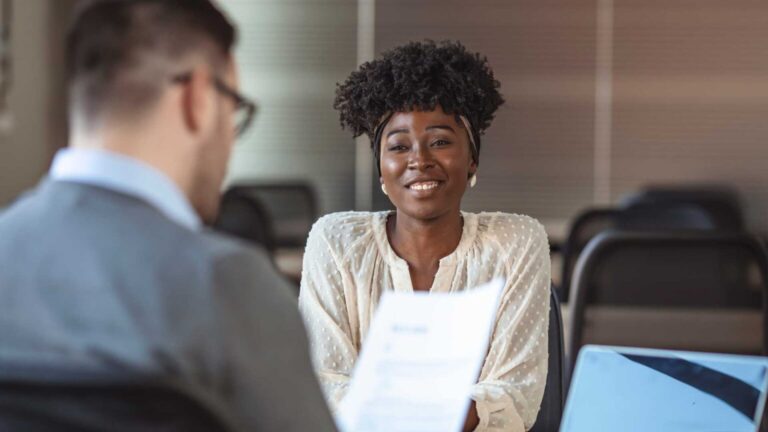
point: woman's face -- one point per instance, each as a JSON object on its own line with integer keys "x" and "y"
{"x": 425, "y": 163}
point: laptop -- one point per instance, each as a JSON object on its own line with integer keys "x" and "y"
{"x": 633, "y": 389}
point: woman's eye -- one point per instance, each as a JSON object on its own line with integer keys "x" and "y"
{"x": 397, "y": 147}
{"x": 441, "y": 142}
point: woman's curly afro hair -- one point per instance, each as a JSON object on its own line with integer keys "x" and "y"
{"x": 419, "y": 75}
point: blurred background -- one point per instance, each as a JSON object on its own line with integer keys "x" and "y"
{"x": 642, "y": 116}
{"x": 603, "y": 96}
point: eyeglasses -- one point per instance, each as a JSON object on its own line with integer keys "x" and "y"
{"x": 245, "y": 109}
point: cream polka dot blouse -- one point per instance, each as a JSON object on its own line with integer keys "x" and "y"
{"x": 349, "y": 262}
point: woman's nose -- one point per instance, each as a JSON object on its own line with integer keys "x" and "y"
{"x": 420, "y": 158}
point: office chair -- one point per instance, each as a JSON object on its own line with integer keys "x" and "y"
{"x": 641, "y": 214}
{"x": 584, "y": 228}
{"x": 668, "y": 269}
{"x": 291, "y": 206}
{"x": 244, "y": 216}
{"x": 720, "y": 202}
{"x": 666, "y": 217}
{"x": 61, "y": 400}
{"x": 551, "y": 410}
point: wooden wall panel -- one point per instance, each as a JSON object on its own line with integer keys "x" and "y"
{"x": 691, "y": 96}
{"x": 537, "y": 156}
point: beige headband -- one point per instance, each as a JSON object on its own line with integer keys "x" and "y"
{"x": 468, "y": 127}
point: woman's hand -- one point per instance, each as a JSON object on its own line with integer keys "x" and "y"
{"x": 472, "y": 419}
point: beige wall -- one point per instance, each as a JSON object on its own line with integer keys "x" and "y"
{"x": 688, "y": 100}
{"x": 36, "y": 100}
{"x": 691, "y": 96}
{"x": 291, "y": 55}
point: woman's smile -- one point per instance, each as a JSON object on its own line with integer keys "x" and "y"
{"x": 424, "y": 186}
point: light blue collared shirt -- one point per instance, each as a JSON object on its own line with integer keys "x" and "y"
{"x": 126, "y": 175}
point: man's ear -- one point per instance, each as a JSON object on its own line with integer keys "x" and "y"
{"x": 196, "y": 100}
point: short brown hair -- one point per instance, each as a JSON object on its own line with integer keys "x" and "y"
{"x": 120, "y": 52}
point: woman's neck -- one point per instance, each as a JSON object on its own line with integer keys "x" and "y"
{"x": 422, "y": 243}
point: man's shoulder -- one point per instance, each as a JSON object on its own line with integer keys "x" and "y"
{"x": 218, "y": 247}
{"x": 98, "y": 219}
{"x": 21, "y": 206}
{"x": 222, "y": 259}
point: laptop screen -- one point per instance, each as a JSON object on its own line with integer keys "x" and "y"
{"x": 664, "y": 391}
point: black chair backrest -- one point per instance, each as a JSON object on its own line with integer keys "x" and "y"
{"x": 666, "y": 217}
{"x": 244, "y": 216}
{"x": 721, "y": 203}
{"x": 667, "y": 269}
{"x": 551, "y": 410}
{"x": 59, "y": 401}
{"x": 686, "y": 209}
{"x": 584, "y": 228}
{"x": 291, "y": 206}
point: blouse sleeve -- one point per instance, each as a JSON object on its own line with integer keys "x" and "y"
{"x": 322, "y": 304}
{"x": 511, "y": 385}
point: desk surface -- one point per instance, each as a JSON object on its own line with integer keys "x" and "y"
{"x": 289, "y": 262}
{"x": 715, "y": 330}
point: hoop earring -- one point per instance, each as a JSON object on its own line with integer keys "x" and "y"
{"x": 473, "y": 181}
{"x": 384, "y": 189}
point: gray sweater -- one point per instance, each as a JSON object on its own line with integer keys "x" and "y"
{"x": 97, "y": 280}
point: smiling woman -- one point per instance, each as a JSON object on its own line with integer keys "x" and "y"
{"x": 425, "y": 107}
{"x": 425, "y": 163}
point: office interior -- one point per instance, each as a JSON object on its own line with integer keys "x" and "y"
{"x": 633, "y": 130}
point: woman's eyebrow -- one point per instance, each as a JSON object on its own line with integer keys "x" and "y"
{"x": 446, "y": 127}
{"x": 396, "y": 131}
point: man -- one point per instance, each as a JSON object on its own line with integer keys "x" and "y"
{"x": 106, "y": 266}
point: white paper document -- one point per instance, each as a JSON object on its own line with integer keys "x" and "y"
{"x": 421, "y": 357}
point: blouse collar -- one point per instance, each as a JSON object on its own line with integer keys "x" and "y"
{"x": 468, "y": 234}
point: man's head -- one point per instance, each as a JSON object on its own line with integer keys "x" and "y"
{"x": 155, "y": 79}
